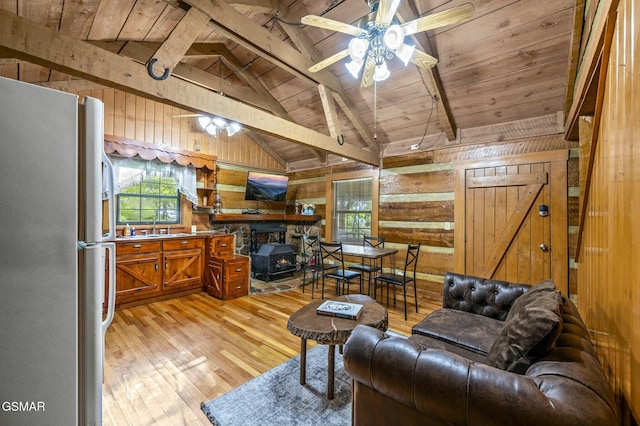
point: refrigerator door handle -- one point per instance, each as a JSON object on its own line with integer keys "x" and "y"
{"x": 111, "y": 195}
{"x": 111, "y": 305}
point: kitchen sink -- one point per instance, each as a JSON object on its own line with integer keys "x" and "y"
{"x": 143, "y": 237}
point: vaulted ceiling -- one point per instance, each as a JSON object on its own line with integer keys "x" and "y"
{"x": 248, "y": 60}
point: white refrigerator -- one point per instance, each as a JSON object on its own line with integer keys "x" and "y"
{"x": 53, "y": 256}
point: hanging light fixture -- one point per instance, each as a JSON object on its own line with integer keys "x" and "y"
{"x": 381, "y": 45}
{"x": 214, "y": 125}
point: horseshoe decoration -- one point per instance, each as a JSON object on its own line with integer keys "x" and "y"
{"x": 340, "y": 139}
{"x": 151, "y": 73}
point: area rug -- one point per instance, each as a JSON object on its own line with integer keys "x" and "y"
{"x": 277, "y": 397}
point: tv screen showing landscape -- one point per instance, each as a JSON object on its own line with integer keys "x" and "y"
{"x": 266, "y": 187}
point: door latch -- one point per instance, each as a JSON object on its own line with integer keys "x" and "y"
{"x": 544, "y": 247}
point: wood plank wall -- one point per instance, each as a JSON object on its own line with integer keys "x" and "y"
{"x": 609, "y": 275}
{"x": 417, "y": 199}
{"x": 134, "y": 117}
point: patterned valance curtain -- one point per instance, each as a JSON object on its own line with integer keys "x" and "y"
{"x": 124, "y": 176}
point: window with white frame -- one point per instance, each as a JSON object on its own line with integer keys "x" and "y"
{"x": 352, "y": 209}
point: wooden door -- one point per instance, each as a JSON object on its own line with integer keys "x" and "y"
{"x": 497, "y": 221}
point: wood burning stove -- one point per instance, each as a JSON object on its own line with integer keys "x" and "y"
{"x": 273, "y": 259}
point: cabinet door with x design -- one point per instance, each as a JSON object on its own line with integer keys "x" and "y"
{"x": 183, "y": 262}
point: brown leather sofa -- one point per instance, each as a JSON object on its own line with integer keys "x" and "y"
{"x": 485, "y": 358}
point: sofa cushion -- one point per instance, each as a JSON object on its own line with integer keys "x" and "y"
{"x": 464, "y": 329}
{"x": 542, "y": 286}
{"x": 530, "y": 330}
{"x": 425, "y": 342}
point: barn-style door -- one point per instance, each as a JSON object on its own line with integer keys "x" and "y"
{"x": 499, "y": 229}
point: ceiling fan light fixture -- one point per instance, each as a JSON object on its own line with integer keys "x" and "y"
{"x": 381, "y": 72}
{"x": 354, "y": 67}
{"x": 204, "y": 121}
{"x": 393, "y": 37}
{"x": 358, "y": 49}
{"x": 219, "y": 122}
{"x": 212, "y": 130}
{"x": 233, "y": 128}
{"x": 405, "y": 53}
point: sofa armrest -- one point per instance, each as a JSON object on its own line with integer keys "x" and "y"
{"x": 491, "y": 298}
{"x": 451, "y": 389}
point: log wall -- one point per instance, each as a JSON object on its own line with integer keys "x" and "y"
{"x": 417, "y": 199}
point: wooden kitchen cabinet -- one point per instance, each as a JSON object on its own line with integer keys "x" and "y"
{"x": 138, "y": 271}
{"x": 228, "y": 272}
{"x": 183, "y": 261}
{"x": 228, "y": 276}
{"x": 159, "y": 269}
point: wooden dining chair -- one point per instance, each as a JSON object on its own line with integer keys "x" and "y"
{"x": 407, "y": 277}
{"x": 331, "y": 254}
{"x": 369, "y": 266}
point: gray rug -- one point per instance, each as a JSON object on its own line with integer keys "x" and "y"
{"x": 277, "y": 398}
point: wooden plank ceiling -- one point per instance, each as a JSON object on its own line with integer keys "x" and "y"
{"x": 508, "y": 64}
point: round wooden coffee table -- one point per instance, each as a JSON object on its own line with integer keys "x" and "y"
{"x": 326, "y": 330}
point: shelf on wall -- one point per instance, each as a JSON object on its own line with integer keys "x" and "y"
{"x": 230, "y": 217}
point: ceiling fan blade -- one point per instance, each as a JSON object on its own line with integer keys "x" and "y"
{"x": 440, "y": 19}
{"x": 386, "y": 11}
{"x": 367, "y": 73}
{"x": 186, "y": 115}
{"x": 330, "y": 24}
{"x": 330, "y": 60}
{"x": 423, "y": 60}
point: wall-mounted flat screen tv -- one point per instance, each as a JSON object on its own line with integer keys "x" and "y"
{"x": 266, "y": 187}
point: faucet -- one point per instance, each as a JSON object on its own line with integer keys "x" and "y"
{"x": 168, "y": 229}
{"x": 153, "y": 229}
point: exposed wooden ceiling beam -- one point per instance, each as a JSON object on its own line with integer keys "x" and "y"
{"x": 330, "y": 112}
{"x": 238, "y": 28}
{"x": 407, "y": 12}
{"x": 142, "y": 52}
{"x": 304, "y": 44}
{"x": 206, "y": 50}
{"x": 24, "y": 39}
{"x": 255, "y": 6}
{"x": 181, "y": 38}
{"x": 219, "y": 49}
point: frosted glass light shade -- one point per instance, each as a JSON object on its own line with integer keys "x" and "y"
{"x": 204, "y": 121}
{"x": 405, "y": 52}
{"x": 220, "y": 122}
{"x": 358, "y": 48}
{"x": 393, "y": 37}
{"x": 233, "y": 128}
{"x": 381, "y": 72}
{"x": 354, "y": 68}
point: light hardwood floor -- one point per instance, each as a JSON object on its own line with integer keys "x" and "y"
{"x": 163, "y": 359}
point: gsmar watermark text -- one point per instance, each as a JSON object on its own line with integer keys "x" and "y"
{"x": 23, "y": 406}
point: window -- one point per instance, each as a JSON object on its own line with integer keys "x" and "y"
{"x": 351, "y": 209}
{"x": 150, "y": 191}
{"x": 148, "y": 197}
{"x": 352, "y": 205}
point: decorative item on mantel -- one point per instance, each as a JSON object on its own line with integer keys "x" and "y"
{"x": 297, "y": 207}
{"x": 308, "y": 209}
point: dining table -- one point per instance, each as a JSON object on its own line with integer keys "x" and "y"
{"x": 367, "y": 252}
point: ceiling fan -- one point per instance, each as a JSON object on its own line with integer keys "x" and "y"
{"x": 378, "y": 38}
